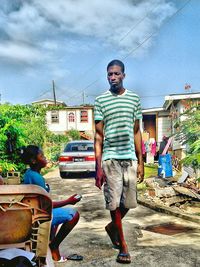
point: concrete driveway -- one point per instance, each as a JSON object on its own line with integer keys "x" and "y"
{"x": 147, "y": 248}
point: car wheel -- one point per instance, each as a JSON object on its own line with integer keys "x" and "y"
{"x": 63, "y": 174}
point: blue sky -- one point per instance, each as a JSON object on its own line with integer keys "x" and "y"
{"x": 71, "y": 42}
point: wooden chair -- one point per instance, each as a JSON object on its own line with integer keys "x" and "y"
{"x": 25, "y": 219}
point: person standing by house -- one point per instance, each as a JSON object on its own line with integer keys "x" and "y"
{"x": 118, "y": 151}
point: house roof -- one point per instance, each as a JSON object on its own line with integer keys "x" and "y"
{"x": 73, "y": 108}
{"x": 176, "y": 97}
{"x": 44, "y": 101}
{"x": 152, "y": 110}
{"x": 80, "y": 107}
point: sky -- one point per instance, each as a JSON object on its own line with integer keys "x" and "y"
{"x": 72, "y": 41}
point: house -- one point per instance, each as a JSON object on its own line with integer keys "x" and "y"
{"x": 49, "y": 102}
{"x": 177, "y": 104}
{"x": 79, "y": 118}
{"x": 156, "y": 122}
{"x": 160, "y": 122}
{"x": 63, "y": 119}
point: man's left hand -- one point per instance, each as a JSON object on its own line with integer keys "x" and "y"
{"x": 140, "y": 172}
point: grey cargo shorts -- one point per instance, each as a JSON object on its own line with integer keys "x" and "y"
{"x": 121, "y": 183}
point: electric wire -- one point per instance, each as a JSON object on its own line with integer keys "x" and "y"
{"x": 120, "y": 40}
{"x": 124, "y": 36}
{"x": 144, "y": 41}
{"x": 131, "y": 51}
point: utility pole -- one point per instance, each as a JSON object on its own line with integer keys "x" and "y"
{"x": 54, "y": 92}
{"x": 83, "y": 97}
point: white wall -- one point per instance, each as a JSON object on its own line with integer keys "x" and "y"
{"x": 164, "y": 127}
{"x": 64, "y": 124}
{"x": 59, "y": 127}
{"x": 84, "y": 126}
{"x": 180, "y": 109}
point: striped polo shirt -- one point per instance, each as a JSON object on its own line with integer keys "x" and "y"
{"x": 118, "y": 113}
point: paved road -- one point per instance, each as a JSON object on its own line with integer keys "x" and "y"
{"x": 147, "y": 248}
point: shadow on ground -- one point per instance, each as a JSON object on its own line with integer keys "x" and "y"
{"x": 147, "y": 248}
{"x": 80, "y": 175}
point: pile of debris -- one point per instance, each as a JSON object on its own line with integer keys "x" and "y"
{"x": 182, "y": 194}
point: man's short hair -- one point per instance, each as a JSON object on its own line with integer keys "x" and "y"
{"x": 116, "y": 62}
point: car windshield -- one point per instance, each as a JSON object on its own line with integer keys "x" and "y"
{"x": 79, "y": 147}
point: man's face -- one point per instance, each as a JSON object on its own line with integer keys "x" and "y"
{"x": 115, "y": 77}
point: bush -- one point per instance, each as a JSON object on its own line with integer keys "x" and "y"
{"x": 189, "y": 134}
{"x": 22, "y": 125}
{"x": 74, "y": 134}
{"x": 54, "y": 146}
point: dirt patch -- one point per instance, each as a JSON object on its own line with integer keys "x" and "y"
{"x": 168, "y": 229}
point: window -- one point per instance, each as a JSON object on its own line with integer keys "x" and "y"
{"x": 71, "y": 117}
{"x": 79, "y": 147}
{"x": 55, "y": 116}
{"x": 84, "y": 116}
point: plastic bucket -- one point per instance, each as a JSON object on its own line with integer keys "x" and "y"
{"x": 165, "y": 166}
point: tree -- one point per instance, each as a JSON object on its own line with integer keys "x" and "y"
{"x": 189, "y": 134}
{"x": 21, "y": 125}
{"x": 11, "y": 139}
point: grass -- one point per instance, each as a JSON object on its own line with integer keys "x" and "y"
{"x": 150, "y": 170}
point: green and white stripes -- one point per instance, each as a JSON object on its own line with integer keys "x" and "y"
{"x": 118, "y": 113}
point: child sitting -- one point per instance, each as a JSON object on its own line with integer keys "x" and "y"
{"x": 68, "y": 217}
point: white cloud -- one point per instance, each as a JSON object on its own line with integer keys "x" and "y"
{"x": 46, "y": 25}
{"x": 110, "y": 20}
{"x": 50, "y": 45}
{"x": 19, "y": 53}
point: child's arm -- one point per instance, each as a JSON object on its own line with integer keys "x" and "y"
{"x": 70, "y": 201}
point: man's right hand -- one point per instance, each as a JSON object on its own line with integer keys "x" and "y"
{"x": 100, "y": 177}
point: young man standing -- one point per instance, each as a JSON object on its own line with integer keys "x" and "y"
{"x": 118, "y": 151}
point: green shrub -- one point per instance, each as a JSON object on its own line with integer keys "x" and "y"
{"x": 189, "y": 134}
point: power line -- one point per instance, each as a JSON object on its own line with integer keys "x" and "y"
{"x": 134, "y": 27}
{"x": 42, "y": 94}
{"x": 140, "y": 96}
{"x": 131, "y": 51}
{"x": 83, "y": 91}
{"x": 146, "y": 96}
{"x": 120, "y": 40}
{"x": 123, "y": 37}
{"x": 146, "y": 39}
